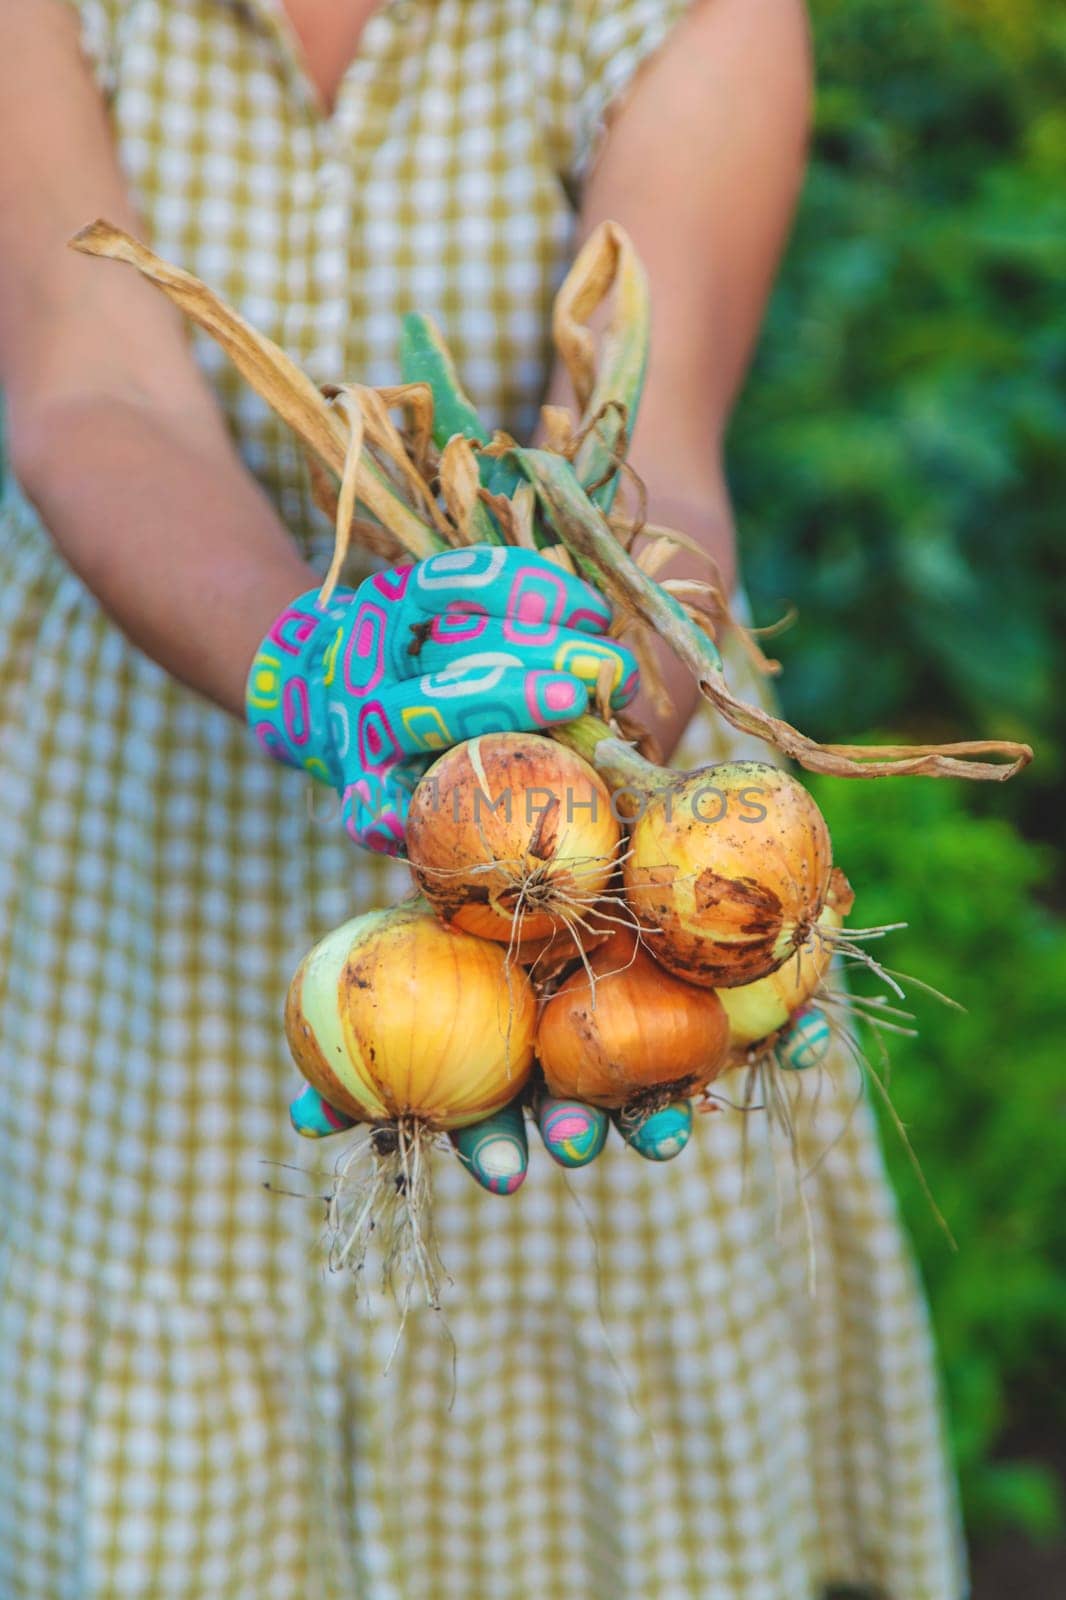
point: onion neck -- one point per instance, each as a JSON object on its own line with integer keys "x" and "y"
{"x": 620, "y": 765}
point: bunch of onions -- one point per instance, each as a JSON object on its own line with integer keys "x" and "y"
{"x": 628, "y": 1036}
{"x": 513, "y": 838}
{"x": 415, "y": 1029}
{"x": 418, "y": 1028}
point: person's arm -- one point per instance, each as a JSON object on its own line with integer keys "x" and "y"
{"x": 113, "y": 432}
{"x": 702, "y": 164}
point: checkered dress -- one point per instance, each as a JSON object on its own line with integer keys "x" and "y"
{"x": 632, "y": 1394}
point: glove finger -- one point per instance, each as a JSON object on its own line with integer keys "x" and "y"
{"x": 374, "y": 805}
{"x": 425, "y": 715}
{"x": 663, "y": 1135}
{"x": 488, "y": 639}
{"x": 315, "y": 1118}
{"x": 495, "y": 1151}
{"x": 573, "y": 1133}
{"x": 806, "y": 1042}
{"x": 535, "y": 595}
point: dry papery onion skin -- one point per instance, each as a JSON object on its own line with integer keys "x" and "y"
{"x": 393, "y": 1016}
{"x": 634, "y": 1038}
{"x": 727, "y": 870}
{"x": 507, "y": 833}
{"x": 757, "y": 1011}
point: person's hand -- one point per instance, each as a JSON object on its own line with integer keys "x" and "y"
{"x": 364, "y": 693}
{"x": 495, "y": 1151}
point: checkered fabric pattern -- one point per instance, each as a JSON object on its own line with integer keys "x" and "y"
{"x": 647, "y": 1402}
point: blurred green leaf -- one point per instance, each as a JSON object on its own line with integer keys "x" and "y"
{"x": 1025, "y": 1496}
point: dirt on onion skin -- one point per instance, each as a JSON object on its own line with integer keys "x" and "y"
{"x": 645, "y": 1105}
{"x": 447, "y": 907}
{"x": 711, "y": 889}
{"x": 713, "y": 963}
{"x": 544, "y": 840}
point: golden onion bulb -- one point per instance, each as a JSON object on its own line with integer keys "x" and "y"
{"x": 758, "y": 1010}
{"x": 727, "y": 871}
{"x": 509, "y": 835}
{"x": 635, "y": 1037}
{"x": 393, "y": 1016}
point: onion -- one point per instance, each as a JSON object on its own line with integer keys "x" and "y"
{"x": 512, "y": 837}
{"x": 727, "y": 871}
{"x": 392, "y": 1016}
{"x": 758, "y": 1010}
{"x": 631, "y": 1036}
{"x": 405, "y": 1024}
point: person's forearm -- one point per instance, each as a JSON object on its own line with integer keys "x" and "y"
{"x": 702, "y": 512}
{"x": 169, "y": 531}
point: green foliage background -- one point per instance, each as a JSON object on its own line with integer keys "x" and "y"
{"x": 898, "y": 465}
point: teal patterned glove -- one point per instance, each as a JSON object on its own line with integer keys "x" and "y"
{"x": 365, "y": 693}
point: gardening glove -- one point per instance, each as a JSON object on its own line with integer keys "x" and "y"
{"x": 365, "y": 692}
{"x": 495, "y": 1151}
